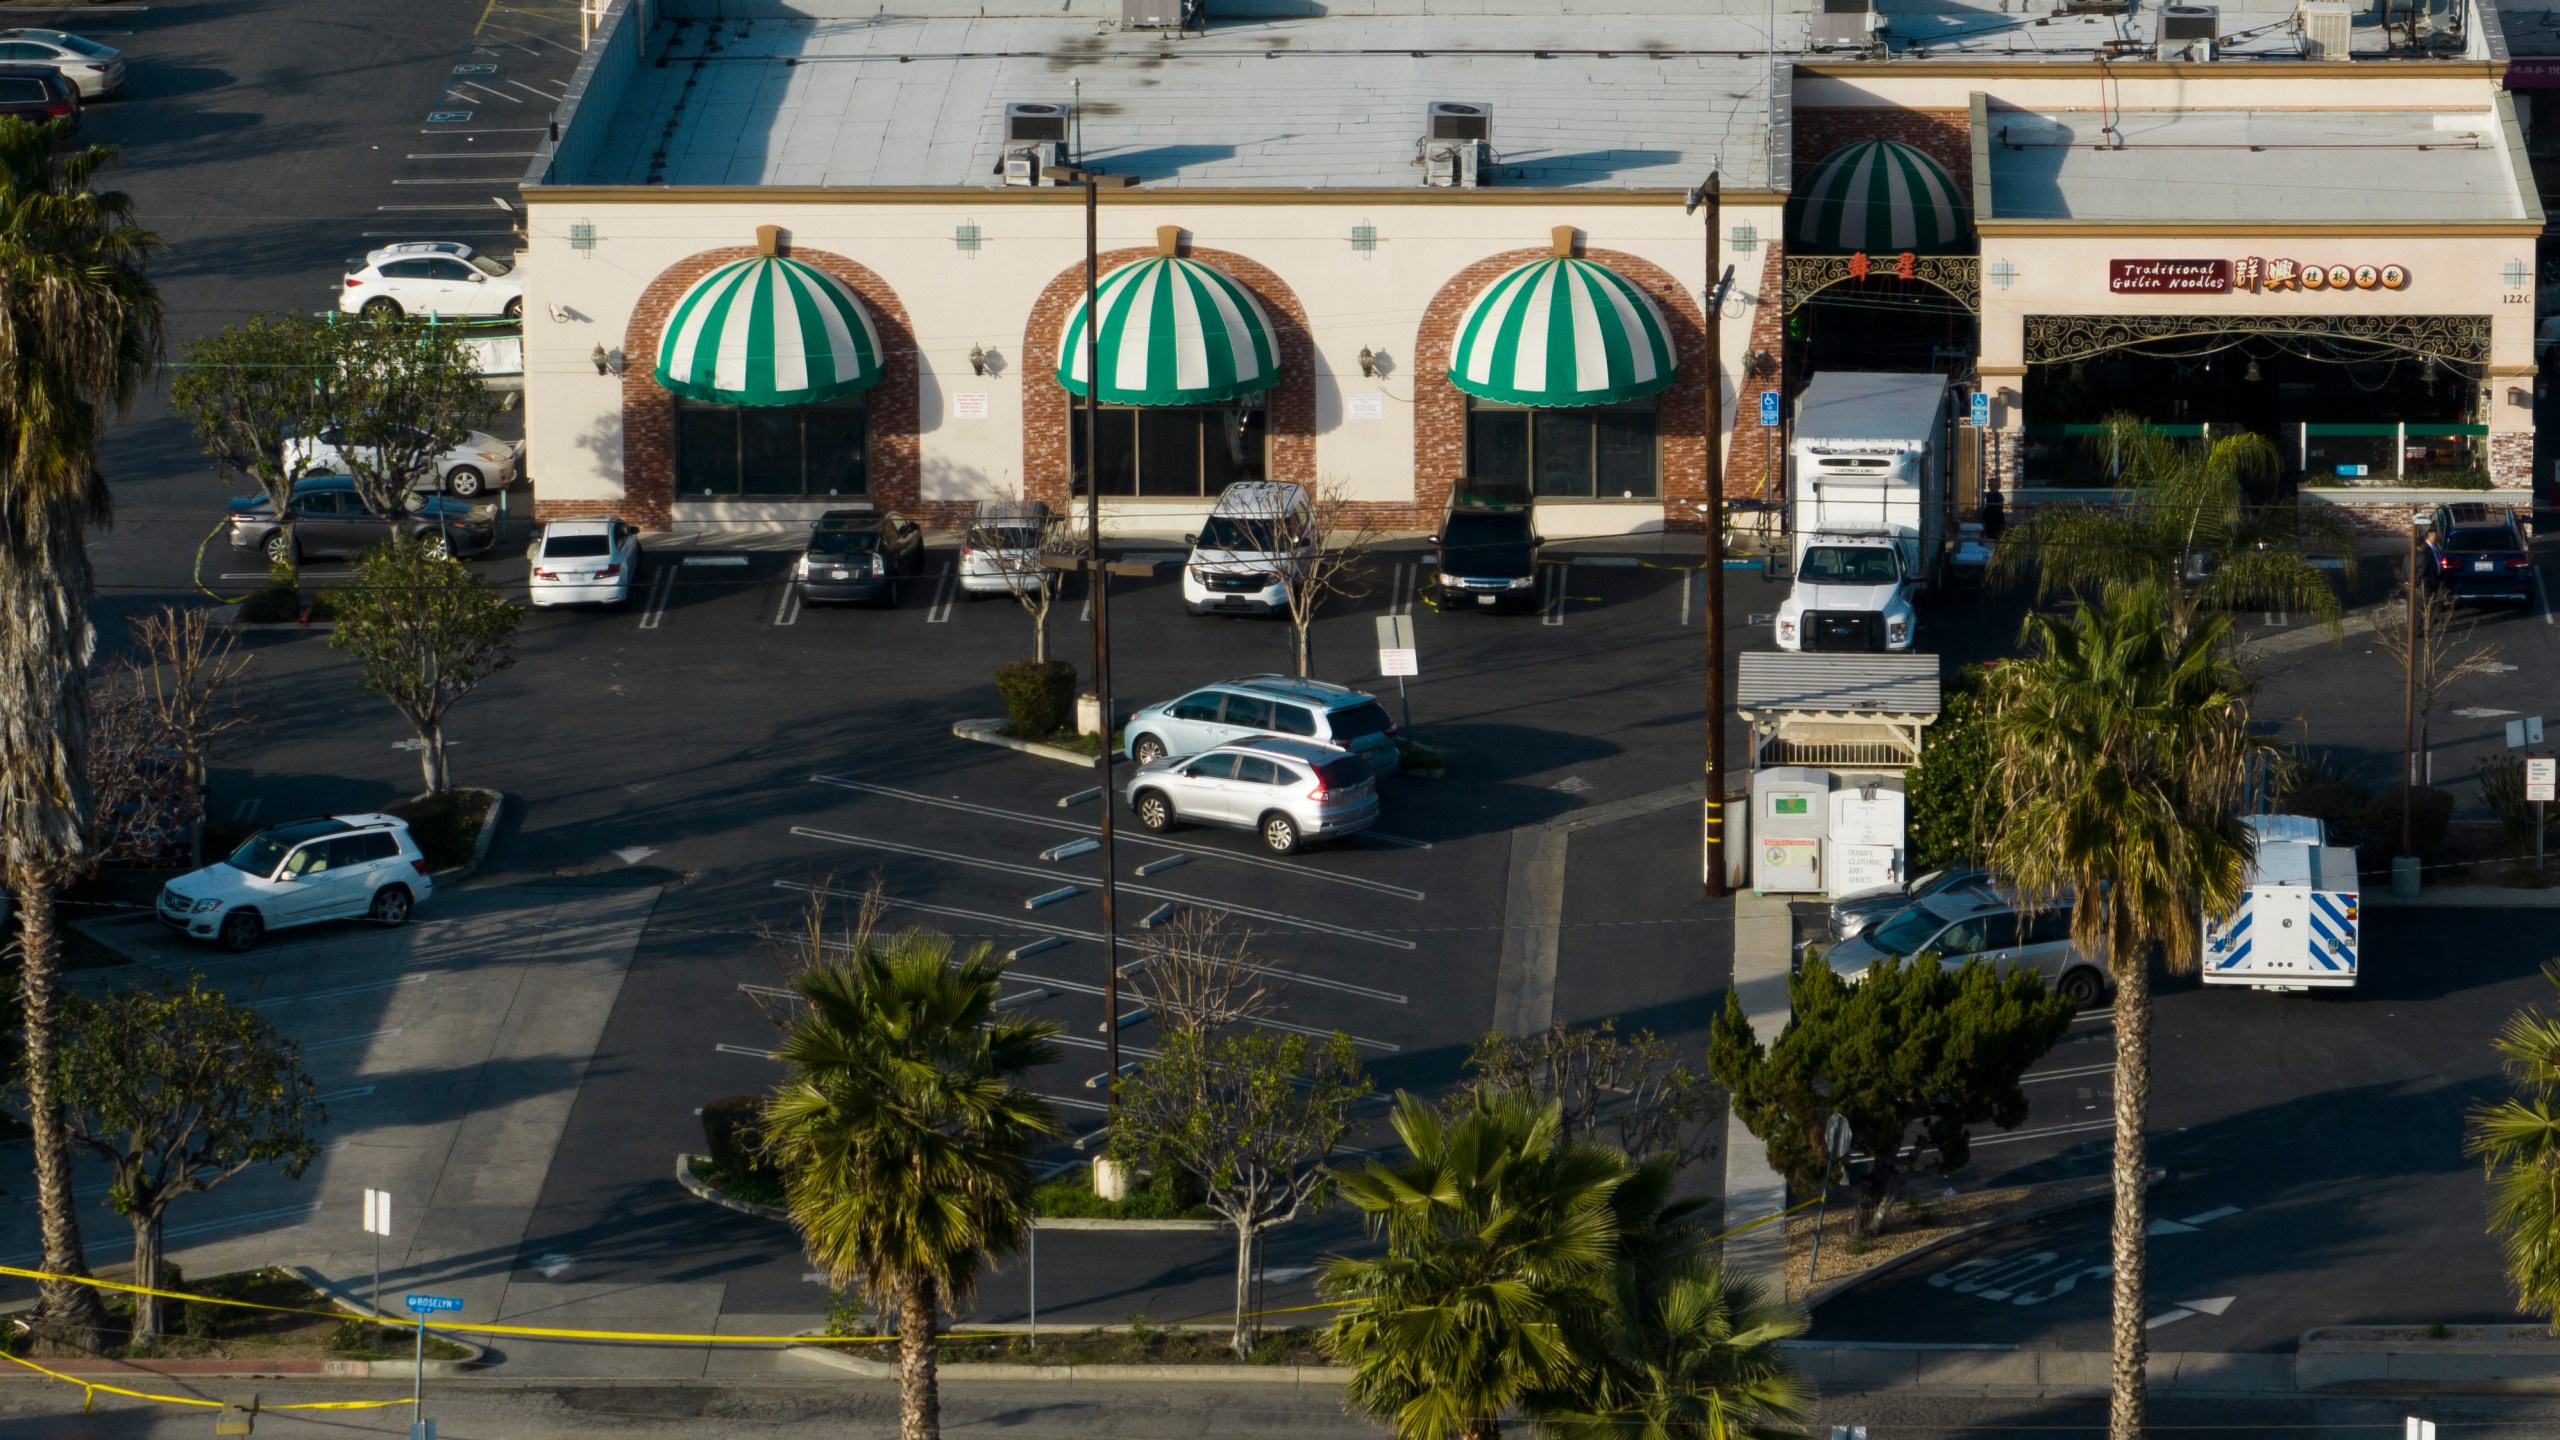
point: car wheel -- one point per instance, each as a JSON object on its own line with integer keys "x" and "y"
{"x": 464, "y": 481}
{"x": 390, "y": 906}
{"x": 515, "y": 308}
{"x": 439, "y": 545}
{"x": 280, "y": 548}
{"x": 241, "y": 930}
{"x": 383, "y": 305}
{"x": 1155, "y": 811}
{"x": 2083, "y": 988}
{"x": 1280, "y": 833}
{"x": 1147, "y": 749}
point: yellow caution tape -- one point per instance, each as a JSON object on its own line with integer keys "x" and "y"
{"x": 199, "y": 574}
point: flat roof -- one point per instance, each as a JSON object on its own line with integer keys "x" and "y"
{"x": 2251, "y": 165}
{"x": 1801, "y": 681}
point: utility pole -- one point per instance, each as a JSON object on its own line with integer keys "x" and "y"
{"x": 2409, "y": 701}
{"x": 1709, "y": 194}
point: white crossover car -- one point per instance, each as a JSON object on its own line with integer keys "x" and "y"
{"x": 441, "y": 278}
{"x": 343, "y": 867}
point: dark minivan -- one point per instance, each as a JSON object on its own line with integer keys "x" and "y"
{"x": 1488, "y": 548}
{"x": 37, "y": 95}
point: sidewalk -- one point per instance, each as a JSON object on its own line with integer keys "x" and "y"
{"x": 1763, "y": 937}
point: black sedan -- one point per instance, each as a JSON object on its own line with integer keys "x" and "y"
{"x": 325, "y": 516}
{"x": 859, "y": 557}
{"x": 2478, "y": 552}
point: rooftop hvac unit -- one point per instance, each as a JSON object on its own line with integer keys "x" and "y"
{"x": 2180, "y": 24}
{"x": 1452, "y": 164}
{"x": 1159, "y": 14}
{"x": 2328, "y": 29}
{"x": 1457, "y": 120}
{"x": 1845, "y": 25}
{"x": 1035, "y": 138}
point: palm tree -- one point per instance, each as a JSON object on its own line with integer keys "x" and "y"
{"x": 2120, "y": 748}
{"x": 1689, "y": 1354}
{"x": 902, "y": 1135}
{"x": 2188, "y": 524}
{"x": 2518, "y": 1141}
{"x": 1500, "y": 1234}
{"x": 79, "y": 331}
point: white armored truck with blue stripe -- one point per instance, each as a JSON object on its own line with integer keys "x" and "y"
{"x": 2297, "y": 923}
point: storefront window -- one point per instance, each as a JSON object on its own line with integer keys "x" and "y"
{"x": 725, "y": 451}
{"x": 1174, "y": 451}
{"x": 1603, "y": 452}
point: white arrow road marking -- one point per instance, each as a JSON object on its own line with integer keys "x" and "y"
{"x": 1283, "y": 1273}
{"x": 2169, "y": 1227}
{"x": 2210, "y": 1216}
{"x": 2481, "y": 712}
{"x": 2182, "y": 1309}
{"x": 634, "y": 854}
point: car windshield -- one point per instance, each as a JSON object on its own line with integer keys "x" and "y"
{"x": 1466, "y": 532}
{"x": 1905, "y": 933}
{"x": 490, "y": 265}
{"x": 570, "y": 547}
{"x": 1358, "y": 722}
{"x": 259, "y": 855}
{"x": 1848, "y": 565}
{"x": 844, "y": 542}
{"x": 1228, "y": 532}
{"x": 1926, "y": 883}
{"x": 2475, "y": 542}
{"x": 90, "y": 48}
{"x": 1005, "y": 537}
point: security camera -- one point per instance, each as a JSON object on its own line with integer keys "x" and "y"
{"x": 559, "y": 313}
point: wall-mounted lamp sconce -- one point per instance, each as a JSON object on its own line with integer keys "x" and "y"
{"x": 2518, "y": 395}
{"x": 977, "y": 359}
{"x": 1754, "y": 362}
{"x": 2253, "y": 374}
{"x": 1368, "y": 363}
{"x": 607, "y": 362}
{"x": 2006, "y": 395}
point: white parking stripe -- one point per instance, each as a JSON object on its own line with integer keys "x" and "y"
{"x": 1688, "y": 584}
{"x": 943, "y": 593}
{"x": 2080, "y": 1073}
{"x": 2539, "y": 590}
{"x": 1401, "y": 599}
{"x": 350, "y": 1040}
{"x": 661, "y": 590}
{"x": 2081, "y": 1128}
{"x": 1555, "y": 593}
{"x": 341, "y": 990}
{"x": 788, "y": 612}
{"x": 750, "y": 1051}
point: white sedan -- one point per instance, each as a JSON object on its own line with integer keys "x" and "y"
{"x": 87, "y": 67}
{"x": 480, "y": 463}
{"x": 584, "y": 562}
{"x": 442, "y": 278}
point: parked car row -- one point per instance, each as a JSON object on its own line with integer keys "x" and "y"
{"x": 325, "y": 517}
{"x": 50, "y": 74}
{"x": 1959, "y": 914}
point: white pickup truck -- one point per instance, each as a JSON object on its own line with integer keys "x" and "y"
{"x": 1868, "y": 469}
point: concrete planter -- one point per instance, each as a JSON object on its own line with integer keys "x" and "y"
{"x": 991, "y": 732}
{"x": 694, "y": 1183}
{"x": 345, "y": 1299}
{"x": 480, "y": 844}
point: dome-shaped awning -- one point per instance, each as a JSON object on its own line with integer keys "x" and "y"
{"x": 769, "y": 331}
{"x": 1562, "y": 331}
{"x": 1878, "y": 197}
{"x": 1174, "y": 332}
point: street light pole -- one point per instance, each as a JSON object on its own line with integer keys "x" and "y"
{"x": 1710, "y": 195}
{"x": 2409, "y": 701}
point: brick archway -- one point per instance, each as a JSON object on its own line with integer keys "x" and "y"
{"x": 1047, "y": 408}
{"x": 649, "y": 411}
{"x": 1440, "y": 408}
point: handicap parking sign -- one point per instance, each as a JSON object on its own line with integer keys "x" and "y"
{"x": 1769, "y": 408}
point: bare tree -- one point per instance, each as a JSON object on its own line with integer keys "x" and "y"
{"x": 1319, "y": 555}
{"x": 2449, "y": 648}
{"x": 1034, "y": 550}
{"x": 1199, "y": 976}
{"x": 189, "y": 679}
{"x": 1637, "y": 1087}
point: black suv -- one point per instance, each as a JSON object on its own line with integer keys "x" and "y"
{"x": 1488, "y": 549}
{"x": 2478, "y": 552}
{"x": 859, "y": 556}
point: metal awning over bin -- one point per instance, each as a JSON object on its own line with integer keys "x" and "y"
{"x": 1841, "y": 712}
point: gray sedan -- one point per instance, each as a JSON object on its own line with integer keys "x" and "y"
{"x": 1856, "y": 913}
{"x": 1287, "y": 791}
{"x": 325, "y": 516}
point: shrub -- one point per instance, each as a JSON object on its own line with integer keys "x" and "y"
{"x": 2430, "y": 813}
{"x": 274, "y": 605}
{"x": 733, "y": 1129}
{"x": 1951, "y": 821}
{"x": 1039, "y": 696}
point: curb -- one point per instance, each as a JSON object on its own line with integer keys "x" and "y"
{"x": 2470, "y": 897}
{"x": 1083, "y": 1374}
{"x": 2032, "y": 1212}
{"x": 991, "y": 732}
{"x": 1080, "y": 1222}
{"x": 383, "y": 1369}
{"x": 480, "y": 845}
{"x": 702, "y": 1191}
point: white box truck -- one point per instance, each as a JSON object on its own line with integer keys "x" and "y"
{"x": 1869, "y": 477}
{"x": 2297, "y": 923}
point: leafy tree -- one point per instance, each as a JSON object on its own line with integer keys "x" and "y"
{"x": 1250, "y": 1118}
{"x": 248, "y": 388}
{"x": 2517, "y": 1142}
{"x": 427, "y": 632}
{"x": 79, "y": 333}
{"x": 1634, "y": 1090}
{"x": 1911, "y": 1043}
{"x": 2122, "y": 750}
{"x": 178, "y": 1091}
{"x": 2187, "y": 524}
{"x": 1688, "y": 1353}
{"x": 399, "y": 393}
{"x": 1499, "y": 1234}
{"x": 1949, "y": 792}
{"x": 902, "y": 1133}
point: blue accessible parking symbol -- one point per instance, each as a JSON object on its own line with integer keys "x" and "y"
{"x": 1769, "y": 408}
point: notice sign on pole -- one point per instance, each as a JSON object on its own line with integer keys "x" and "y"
{"x": 2542, "y": 778}
{"x": 1399, "y": 661}
{"x": 1769, "y": 408}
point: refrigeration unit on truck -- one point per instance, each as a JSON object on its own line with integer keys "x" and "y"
{"x": 1869, "y": 478}
{"x": 2297, "y": 923}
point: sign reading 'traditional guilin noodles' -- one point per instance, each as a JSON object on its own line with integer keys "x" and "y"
{"x": 2249, "y": 273}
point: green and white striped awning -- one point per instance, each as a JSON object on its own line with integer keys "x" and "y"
{"x": 1562, "y": 331}
{"x": 1879, "y": 197}
{"x": 769, "y": 331}
{"x": 1174, "y": 332}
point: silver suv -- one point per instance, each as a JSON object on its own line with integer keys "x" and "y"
{"x": 1961, "y": 925}
{"x": 1266, "y": 705}
{"x": 1288, "y": 791}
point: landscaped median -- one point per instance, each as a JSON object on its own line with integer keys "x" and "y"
{"x": 1141, "y": 1352}
{"x": 302, "y": 1326}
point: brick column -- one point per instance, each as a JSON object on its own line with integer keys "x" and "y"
{"x": 2511, "y": 459}
{"x": 1751, "y": 464}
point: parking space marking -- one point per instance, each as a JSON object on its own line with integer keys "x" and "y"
{"x": 1554, "y": 597}
{"x": 341, "y": 990}
{"x": 998, "y": 813}
{"x": 943, "y": 592}
{"x": 2543, "y": 593}
{"x": 661, "y": 590}
{"x": 2067, "y": 1074}
{"x": 1400, "y": 598}
{"x": 750, "y": 1051}
{"x": 2050, "y": 1130}
{"x": 358, "y": 1093}
{"x": 1689, "y": 585}
{"x": 246, "y": 810}
{"x": 788, "y": 612}
{"x": 349, "y": 1040}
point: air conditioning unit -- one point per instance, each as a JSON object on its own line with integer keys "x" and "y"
{"x": 1456, "y": 135}
{"x": 2328, "y": 29}
{"x": 1035, "y": 138}
{"x": 1159, "y": 14}
{"x": 1845, "y": 25}
{"x": 2182, "y": 24}
{"x": 1457, "y": 120}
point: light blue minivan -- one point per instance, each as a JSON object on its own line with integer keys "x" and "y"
{"x": 1266, "y": 705}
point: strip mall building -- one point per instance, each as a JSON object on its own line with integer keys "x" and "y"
{"x": 782, "y": 255}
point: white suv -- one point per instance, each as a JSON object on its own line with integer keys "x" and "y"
{"x": 301, "y": 873}
{"x": 1287, "y": 791}
{"x": 1261, "y": 532}
{"x": 418, "y": 281}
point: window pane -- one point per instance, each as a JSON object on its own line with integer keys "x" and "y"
{"x": 1293, "y": 720}
{"x": 1251, "y": 711}
{"x": 1626, "y": 453}
{"x": 1117, "y": 433}
{"x": 1254, "y": 770}
{"x": 769, "y": 451}
{"x": 837, "y": 437}
{"x": 1498, "y": 445}
{"x": 1564, "y": 453}
{"x": 1232, "y": 449}
{"x": 1212, "y": 767}
{"x": 1168, "y": 452}
{"x": 706, "y": 450}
